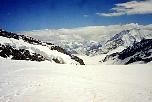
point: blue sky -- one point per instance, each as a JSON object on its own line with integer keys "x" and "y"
{"x": 22, "y": 15}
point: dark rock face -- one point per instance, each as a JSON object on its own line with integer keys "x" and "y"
{"x": 140, "y": 51}
{"x": 77, "y": 59}
{"x": 59, "y": 49}
{"x": 15, "y": 36}
{"x": 8, "y": 34}
{"x": 142, "y": 46}
{"x": 23, "y": 54}
{"x": 111, "y": 56}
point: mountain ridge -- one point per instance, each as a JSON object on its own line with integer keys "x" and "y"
{"x": 140, "y": 52}
{"x": 21, "y": 47}
{"x": 84, "y": 40}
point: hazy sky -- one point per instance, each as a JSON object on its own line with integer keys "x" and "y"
{"x": 21, "y": 15}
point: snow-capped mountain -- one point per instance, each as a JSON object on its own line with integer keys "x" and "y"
{"x": 82, "y": 40}
{"x": 94, "y": 40}
{"x": 108, "y": 43}
{"x": 20, "y": 47}
{"x": 140, "y": 52}
{"x": 126, "y": 38}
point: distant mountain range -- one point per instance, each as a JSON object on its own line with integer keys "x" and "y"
{"x": 96, "y": 40}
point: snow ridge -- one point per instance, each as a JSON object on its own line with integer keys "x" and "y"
{"x": 22, "y": 47}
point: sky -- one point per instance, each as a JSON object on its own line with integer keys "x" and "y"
{"x": 24, "y": 15}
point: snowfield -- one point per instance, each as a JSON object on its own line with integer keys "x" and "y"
{"x": 26, "y": 81}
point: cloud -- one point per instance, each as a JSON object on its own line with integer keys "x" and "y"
{"x": 130, "y": 8}
{"x": 85, "y": 16}
{"x": 94, "y": 33}
{"x": 110, "y": 14}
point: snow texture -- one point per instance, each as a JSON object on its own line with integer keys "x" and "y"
{"x": 25, "y": 81}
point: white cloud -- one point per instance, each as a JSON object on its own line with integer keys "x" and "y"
{"x": 85, "y": 16}
{"x": 110, "y": 14}
{"x": 95, "y": 33}
{"x": 130, "y": 8}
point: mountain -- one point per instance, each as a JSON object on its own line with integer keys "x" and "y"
{"x": 140, "y": 52}
{"x": 21, "y": 47}
{"x": 83, "y": 40}
{"x": 98, "y": 40}
{"x": 126, "y": 38}
{"x": 93, "y": 40}
{"x": 118, "y": 41}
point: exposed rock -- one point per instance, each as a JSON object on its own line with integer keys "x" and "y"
{"x": 140, "y": 51}
{"x": 7, "y": 50}
{"x": 21, "y": 54}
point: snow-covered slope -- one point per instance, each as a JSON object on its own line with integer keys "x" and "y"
{"x": 140, "y": 52}
{"x": 22, "y": 81}
{"x": 20, "y": 47}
